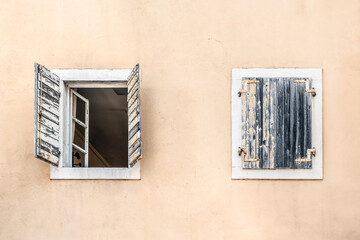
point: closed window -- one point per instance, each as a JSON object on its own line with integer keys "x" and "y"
{"x": 277, "y": 131}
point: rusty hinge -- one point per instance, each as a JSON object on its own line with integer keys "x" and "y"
{"x": 311, "y": 152}
{"x": 308, "y": 90}
{"x": 252, "y": 81}
{"x": 242, "y": 151}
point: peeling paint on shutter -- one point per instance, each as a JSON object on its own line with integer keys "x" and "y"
{"x": 46, "y": 115}
{"x": 276, "y": 123}
{"x": 134, "y": 117}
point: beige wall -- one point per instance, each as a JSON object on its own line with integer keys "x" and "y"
{"x": 186, "y": 50}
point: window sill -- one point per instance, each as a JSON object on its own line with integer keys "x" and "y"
{"x": 315, "y": 173}
{"x": 95, "y": 173}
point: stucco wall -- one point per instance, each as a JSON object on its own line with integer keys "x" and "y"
{"x": 186, "y": 50}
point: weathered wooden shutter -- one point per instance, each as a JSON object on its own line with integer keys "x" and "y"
{"x": 276, "y": 123}
{"x": 134, "y": 117}
{"x": 47, "y": 100}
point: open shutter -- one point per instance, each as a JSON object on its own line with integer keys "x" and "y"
{"x": 46, "y": 116}
{"x": 276, "y": 123}
{"x": 134, "y": 117}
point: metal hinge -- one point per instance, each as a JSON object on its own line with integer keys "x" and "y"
{"x": 311, "y": 152}
{"x": 252, "y": 81}
{"x": 308, "y": 90}
{"x": 242, "y": 151}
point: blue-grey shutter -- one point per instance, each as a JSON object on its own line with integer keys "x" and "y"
{"x": 276, "y": 123}
{"x": 46, "y": 115}
{"x": 134, "y": 117}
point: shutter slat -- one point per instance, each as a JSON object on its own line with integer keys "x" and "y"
{"x": 303, "y": 141}
{"x": 47, "y": 157}
{"x": 134, "y": 146}
{"x": 273, "y": 119}
{"x": 134, "y": 138}
{"x": 134, "y": 106}
{"x": 266, "y": 124}
{"x": 133, "y": 99}
{"x": 47, "y": 101}
{"x": 280, "y": 124}
{"x": 46, "y": 138}
{"x": 133, "y": 91}
{"x": 48, "y": 148}
{"x": 49, "y": 90}
{"x": 297, "y": 122}
{"x": 134, "y": 130}
{"x": 252, "y": 126}
{"x": 133, "y": 103}
{"x": 49, "y": 83}
{"x": 43, "y": 112}
{"x": 134, "y": 117}
{"x": 50, "y": 108}
{"x": 287, "y": 125}
{"x": 258, "y": 115}
{"x": 44, "y": 95}
{"x": 134, "y": 122}
{"x": 134, "y": 157}
{"x": 49, "y": 124}
{"x": 131, "y": 83}
{"x": 44, "y": 72}
{"x": 47, "y": 130}
{"x": 43, "y": 99}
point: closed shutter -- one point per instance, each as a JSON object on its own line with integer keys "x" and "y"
{"x": 134, "y": 117}
{"x": 47, "y": 115}
{"x": 276, "y": 123}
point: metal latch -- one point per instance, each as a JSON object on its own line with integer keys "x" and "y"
{"x": 242, "y": 151}
{"x": 252, "y": 81}
{"x": 308, "y": 90}
{"x": 311, "y": 152}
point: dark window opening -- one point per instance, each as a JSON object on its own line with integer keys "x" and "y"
{"x": 108, "y": 128}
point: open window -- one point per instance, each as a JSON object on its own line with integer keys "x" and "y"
{"x": 88, "y": 122}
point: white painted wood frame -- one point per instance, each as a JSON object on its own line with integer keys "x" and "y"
{"x": 85, "y": 125}
{"x": 238, "y": 172}
{"x": 89, "y": 78}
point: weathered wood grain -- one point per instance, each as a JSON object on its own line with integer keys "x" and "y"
{"x": 134, "y": 117}
{"x": 133, "y": 91}
{"x": 303, "y": 134}
{"x": 133, "y": 114}
{"x": 276, "y": 123}
{"x": 46, "y": 117}
{"x": 49, "y": 124}
{"x": 252, "y": 115}
{"x": 273, "y": 119}
{"x": 49, "y": 131}
{"x": 134, "y": 157}
{"x": 265, "y": 124}
{"x": 134, "y": 106}
{"x": 135, "y": 128}
{"x": 280, "y": 125}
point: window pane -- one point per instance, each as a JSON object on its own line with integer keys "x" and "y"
{"x": 78, "y": 135}
{"x": 78, "y": 158}
{"x": 78, "y": 108}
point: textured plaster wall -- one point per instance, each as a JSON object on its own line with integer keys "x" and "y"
{"x": 186, "y": 50}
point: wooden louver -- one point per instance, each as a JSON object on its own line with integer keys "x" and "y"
{"x": 134, "y": 117}
{"x": 276, "y": 123}
{"x": 46, "y": 116}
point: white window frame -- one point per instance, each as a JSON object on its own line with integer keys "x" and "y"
{"x": 316, "y": 172}
{"x": 85, "y": 125}
{"x": 88, "y": 78}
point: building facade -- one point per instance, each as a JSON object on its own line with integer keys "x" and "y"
{"x": 186, "y": 51}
